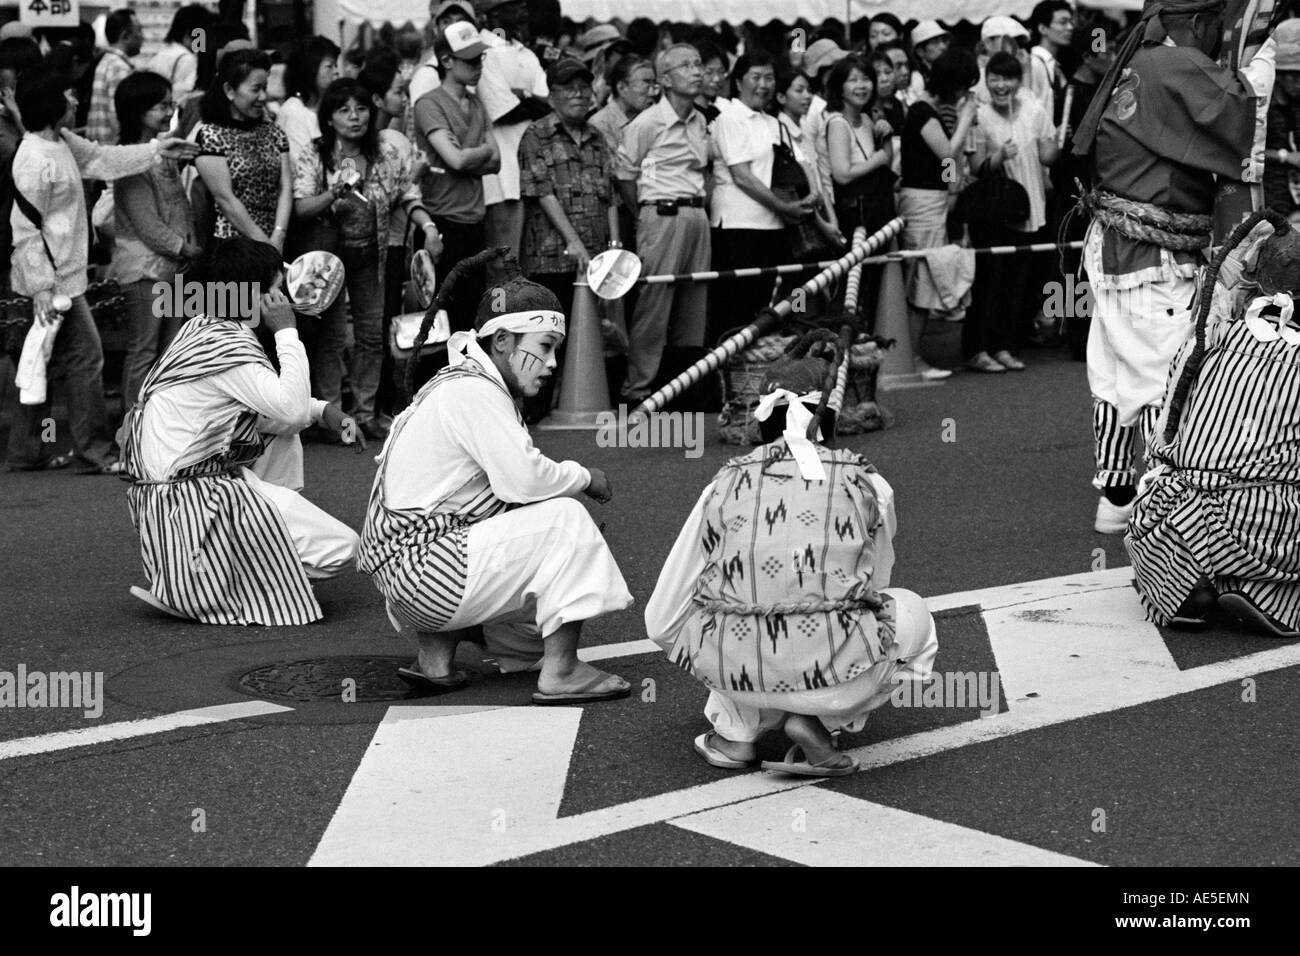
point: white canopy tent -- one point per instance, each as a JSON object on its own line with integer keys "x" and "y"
{"x": 330, "y": 13}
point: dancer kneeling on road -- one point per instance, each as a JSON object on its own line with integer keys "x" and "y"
{"x": 219, "y": 544}
{"x": 772, "y": 596}
{"x": 471, "y": 526}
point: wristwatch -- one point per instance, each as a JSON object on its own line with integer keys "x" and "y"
{"x": 1282, "y": 154}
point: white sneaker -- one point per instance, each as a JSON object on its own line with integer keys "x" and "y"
{"x": 1111, "y": 518}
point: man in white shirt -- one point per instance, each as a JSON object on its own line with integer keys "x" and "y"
{"x": 220, "y": 545}
{"x": 514, "y": 93}
{"x": 470, "y": 527}
{"x": 1053, "y": 25}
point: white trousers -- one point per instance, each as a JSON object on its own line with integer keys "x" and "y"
{"x": 1134, "y": 336}
{"x": 324, "y": 543}
{"x": 744, "y": 716}
{"x": 530, "y": 571}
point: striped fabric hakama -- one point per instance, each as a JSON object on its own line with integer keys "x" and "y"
{"x": 419, "y": 560}
{"x": 213, "y": 548}
{"x": 1224, "y": 502}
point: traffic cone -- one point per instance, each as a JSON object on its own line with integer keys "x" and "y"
{"x": 584, "y": 393}
{"x": 898, "y": 370}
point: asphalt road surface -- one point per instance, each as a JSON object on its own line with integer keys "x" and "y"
{"x": 1105, "y": 741}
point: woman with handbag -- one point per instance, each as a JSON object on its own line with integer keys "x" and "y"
{"x": 355, "y": 175}
{"x": 154, "y": 228}
{"x": 50, "y": 258}
{"x": 1015, "y": 139}
{"x": 749, "y": 220}
{"x": 932, "y": 153}
{"x": 814, "y": 238}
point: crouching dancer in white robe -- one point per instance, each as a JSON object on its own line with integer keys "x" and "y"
{"x": 774, "y": 596}
{"x": 220, "y": 545}
{"x": 471, "y": 526}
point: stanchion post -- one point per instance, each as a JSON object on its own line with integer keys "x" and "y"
{"x": 898, "y": 369}
{"x": 584, "y": 393}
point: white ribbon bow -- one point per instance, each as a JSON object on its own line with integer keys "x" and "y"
{"x": 1264, "y": 329}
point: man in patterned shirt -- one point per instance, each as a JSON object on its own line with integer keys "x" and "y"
{"x": 125, "y": 37}
{"x": 566, "y": 177}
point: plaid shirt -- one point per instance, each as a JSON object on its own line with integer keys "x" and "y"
{"x": 101, "y": 123}
{"x": 580, "y": 176}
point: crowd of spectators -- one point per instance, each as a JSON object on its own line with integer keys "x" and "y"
{"x": 698, "y": 148}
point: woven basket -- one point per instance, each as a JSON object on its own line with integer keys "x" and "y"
{"x": 861, "y": 411}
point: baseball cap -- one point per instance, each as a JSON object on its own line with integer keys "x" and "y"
{"x": 486, "y": 6}
{"x": 461, "y": 40}
{"x": 821, "y": 54}
{"x": 927, "y": 30}
{"x": 1287, "y": 38}
{"x": 566, "y": 71}
{"x": 1000, "y": 26}
{"x": 464, "y": 6}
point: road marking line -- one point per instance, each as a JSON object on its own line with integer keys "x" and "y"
{"x": 1035, "y": 630}
{"x": 125, "y": 729}
{"x": 439, "y": 789}
{"x": 818, "y": 827}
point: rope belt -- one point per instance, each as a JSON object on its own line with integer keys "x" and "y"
{"x": 1145, "y": 222}
{"x": 873, "y": 604}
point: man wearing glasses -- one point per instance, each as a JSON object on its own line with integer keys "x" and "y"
{"x": 1053, "y": 22}
{"x": 662, "y": 163}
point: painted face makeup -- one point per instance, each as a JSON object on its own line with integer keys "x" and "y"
{"x": 533, "y": 361}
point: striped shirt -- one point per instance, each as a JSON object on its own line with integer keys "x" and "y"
{"x": 101, "y": 121}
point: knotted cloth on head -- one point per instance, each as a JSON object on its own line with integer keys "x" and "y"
{"x": 1146, "y": 26}
{"x": 517, "y": 306}
{"x": 796, "y": 382}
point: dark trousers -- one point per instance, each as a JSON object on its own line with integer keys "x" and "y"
{"x": 461, "y": 241}
{"x": 737, "y": 300}
{"x": 1000, "y": 295}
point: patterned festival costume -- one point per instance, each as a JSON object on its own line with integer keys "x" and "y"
{"x": 772, "y": 596}
{"x": 519, "y": 568}
{"x": 1223, "y": 501}
{"x": 213, "y": 547}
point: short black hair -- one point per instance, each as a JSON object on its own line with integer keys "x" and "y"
{"x": 303, "y": 65}
{"x": 19, "y": 54}
{"x": 382, "y": 66}
{"x": 1005, "y": 64}
{"x": 234, "y": 69}
{"x": 839, "y": 74}
{"x": 643, "y": 34}
{"x": 188, "y": 18}
{"x": 955, "y": 72}
{"x": 138, "y": 93}
{"x": 40, "y": 96}
{"x": 1043, "y": 14}
{"x": 239, "y": 259}
{"x": 623, "y": 68}
{"x": 117, "y": 24}
{"x": 355, "y": 57}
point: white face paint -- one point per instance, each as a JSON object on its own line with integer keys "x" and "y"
{"x": 533, "y": 361}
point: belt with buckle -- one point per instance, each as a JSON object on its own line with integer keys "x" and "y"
{"x": 696, "y": 202}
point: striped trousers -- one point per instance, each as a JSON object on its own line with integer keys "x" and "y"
{"x": 1113, "y": 444}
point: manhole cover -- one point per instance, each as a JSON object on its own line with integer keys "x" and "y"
{"x": 359, "y": 679}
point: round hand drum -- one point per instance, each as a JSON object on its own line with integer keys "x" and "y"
{"x": 612, "y": 273}
{"x": 313, "y": 281}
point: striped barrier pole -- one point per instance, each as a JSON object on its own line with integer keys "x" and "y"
{"x": 899, "y": 256}
{"x": 852, "y": 288}
{"x": 742, "y": 339}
